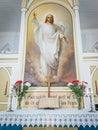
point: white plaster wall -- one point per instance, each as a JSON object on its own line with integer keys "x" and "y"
{"x": 13, "y": 77}
{"x": 89, "y": 38}
{"x": 9, "y": 42}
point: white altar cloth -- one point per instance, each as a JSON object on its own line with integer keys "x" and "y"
{"x": 49, "y": 117}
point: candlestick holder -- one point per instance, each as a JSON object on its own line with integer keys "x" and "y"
{"x": 11, "y": 98}
{"x": 10, "y": 106}
{"x": 96, "y": 95}
{"x": 91, "y": 105}
{"x": 91, "y": 102}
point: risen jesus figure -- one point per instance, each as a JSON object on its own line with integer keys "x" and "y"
{"x": 48, "y": 36}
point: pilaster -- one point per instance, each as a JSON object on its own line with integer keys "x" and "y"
{"x": 21, "y": 43}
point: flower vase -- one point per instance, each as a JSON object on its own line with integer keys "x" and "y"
{"x": 79, "y": 99}
{"x": 19, "y": 104}
{"x": 79, "y": 103}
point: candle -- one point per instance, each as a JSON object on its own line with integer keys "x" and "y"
{"x": 6, "y": 87}
{"x": 82, "y": 86}
{"x": 96, "y": 87}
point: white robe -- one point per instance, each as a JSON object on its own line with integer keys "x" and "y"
{"x": 47, "y": 37}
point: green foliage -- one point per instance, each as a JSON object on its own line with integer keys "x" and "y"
{"x": 77, "y": 90}
{"x": 22, "y": 93}
{"x": 21, "y": 90}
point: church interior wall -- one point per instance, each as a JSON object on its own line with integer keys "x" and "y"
{"x": 9, "y": 59}
{"x": 90, "y": 57}
{"x": 9, "y": 42}
{"x": 89, "y": 39}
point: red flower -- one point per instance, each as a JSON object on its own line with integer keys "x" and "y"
{"x": 18, "y": 82}
{"x": 75, "y": 81}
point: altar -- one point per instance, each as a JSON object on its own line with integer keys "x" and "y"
{"x": 58, "y": 118}
{"x": 49, "y": 79}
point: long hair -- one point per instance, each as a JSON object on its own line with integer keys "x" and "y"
{"x": 48, "y": 16}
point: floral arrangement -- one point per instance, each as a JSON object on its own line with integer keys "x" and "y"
{"x": 21, "y": 90}
{"x": 78, "y": 90}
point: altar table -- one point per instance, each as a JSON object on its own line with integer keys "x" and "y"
{"x": 69, "y": 118}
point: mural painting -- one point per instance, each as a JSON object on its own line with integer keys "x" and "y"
{"x": 50, "y": 46}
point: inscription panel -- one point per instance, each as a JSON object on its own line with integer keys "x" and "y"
{"x": 65, "y": 97}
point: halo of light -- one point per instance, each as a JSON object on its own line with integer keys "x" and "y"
{"x": 52, "y": 13}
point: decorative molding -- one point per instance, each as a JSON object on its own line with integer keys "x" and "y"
{"x": 8, "y": 56}
{"x": 24, "y": 3}
{"x": 3, "y": 103}
{"x": 6, "y": 70}
{"x": 64, "y": 3}
{"x": 90, "y": 56}
{"x": 92, "y": 69}
{"x": 53, "y": 89}
{"x": 75, "y": 2}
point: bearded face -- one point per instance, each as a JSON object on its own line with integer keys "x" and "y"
{"x": 49, "y": 19}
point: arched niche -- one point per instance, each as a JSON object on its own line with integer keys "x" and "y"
{"x": 4, "y": 86}
{"x": 95, "y": 83}
{"x": 62, "y": 12}
{"x": 65, "y": 14}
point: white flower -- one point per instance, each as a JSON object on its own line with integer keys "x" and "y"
{"x": 27, "y": 84}
{"x": 69, "y": 84}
